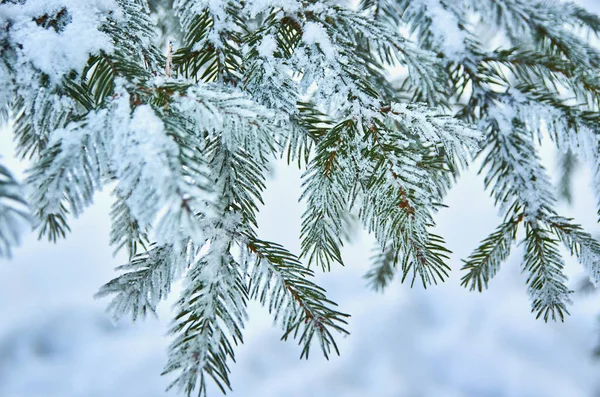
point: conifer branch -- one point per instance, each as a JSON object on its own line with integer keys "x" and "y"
{"x": 209, "y": 322}
{"x": 326, "y": 188}
{"x": 15, "y": 217}
{"x": 68, "y": 172}
{"x": 125, "y": 230}
{"x": 580, "y": 243}
{"x": 383, "y": 267}
{"x": 546, "y": 280}
{"x": 567, "y": 164}
{"x": 279, "y": 280}
{"x": 186, "y": 140}
{"x": 145, "y": 282}
{"x": 483, "y": 264}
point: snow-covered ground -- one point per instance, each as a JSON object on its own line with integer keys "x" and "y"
{"x": 56, "y": 341}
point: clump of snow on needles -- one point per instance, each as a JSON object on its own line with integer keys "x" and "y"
{"x": 267, "y": 46}
{"x": 57, "y": 36}
{"x": 314, "y": 33}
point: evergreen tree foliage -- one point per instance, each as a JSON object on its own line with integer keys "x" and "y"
{"x": 179, "y": 106}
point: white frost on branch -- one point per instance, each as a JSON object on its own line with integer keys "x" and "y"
{"x": 15, "y": 218}
{"x": 445, "y": 29}
{"x": 433, "y": 126}
{"x": 151, "y": 176}
{"x": 515, "y": 148}
{"x": 233, "y": 116}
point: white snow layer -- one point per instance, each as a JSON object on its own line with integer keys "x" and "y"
{"x": 56, "y": 51}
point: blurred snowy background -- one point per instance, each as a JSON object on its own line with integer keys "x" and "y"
{"x": 56, "y": 341}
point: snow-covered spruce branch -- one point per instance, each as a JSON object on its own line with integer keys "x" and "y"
{"x": 546, "y": 281}
{"x": 546, "y": 24}
{"x": 527, "y": 198}
{"x": 146, "y": 281}
{"x": 512, "y": 176}
{"x": 183, "y": 130}
{"x": 397, "y": 207}
{"x": 422, "y": 17}
{"x": 383, "y": 269}
{"x": 125, "y": 230}
{"x": 483, "y": 264}
{"x": 522, "y": 187}
{"x": 366, "y": 163}
{"x": 372, "y": 41}
{"x": 400, "y": 195}
{"x": 310, "y": 125}
{"x": 104, "y": 146}
{"x": 239, "y": 165}
{"x": 580, "y": 243}
{"x": 546, "y": 65}
{"x": 546, "y": 60}
{"x": 69, "y": 171}
{"x": 210, "y": 48}
{"x": 280, "y": 281}
{"x": 210, "y": 318}
{"x": 327, "y": 184}
{"x": 15, "y": 217}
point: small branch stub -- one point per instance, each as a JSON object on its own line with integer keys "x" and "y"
{"x": 169, "y": 65}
